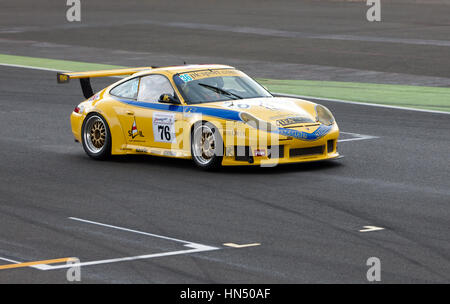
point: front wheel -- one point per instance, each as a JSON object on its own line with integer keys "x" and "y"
{"x": 206, "y": 146}
{"x": 96, "y": 138}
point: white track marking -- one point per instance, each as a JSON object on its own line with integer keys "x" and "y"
{"x": 241, "y": 246}
{"x": 32, "y": 67}
{"x": 371, "y": 228}
{"x": 8, "y": 260}
{"x": 362, "y": 103}
{"x": 43, "y": 267}
{"x": 129, "y": 230}
{"x": 356, "y": 137}
{"x": 195, "y": 247}
{"x": 42, "y": 69}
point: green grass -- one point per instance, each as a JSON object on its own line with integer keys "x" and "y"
{"x": 430, "y": 98}
{"x": 62, "y": 65}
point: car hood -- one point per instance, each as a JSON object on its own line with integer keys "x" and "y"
{"x": 280, "y": 111}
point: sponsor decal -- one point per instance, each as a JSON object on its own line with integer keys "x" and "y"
{"x": 293, "y": 120}
{"x": 94, "y": 97}
{"x": 318, "y": 133}
{"x": 259, "y": 152}
{"x": 186, "y": 77}
{"x": 270, "y": 106}
{"x": 170, "y": 153}
{"x": 236, "y": 105}
{"x": 164, "y": 127}
{"x": 63, "y": 78}
{"x": 134, "y": 132}
{"x": 189, "y": 111}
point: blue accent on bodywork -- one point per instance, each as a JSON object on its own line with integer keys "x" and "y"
{"x": 221, "y": 113}
{"x": 321, "y": 131}
{"x": 155, "y": 106}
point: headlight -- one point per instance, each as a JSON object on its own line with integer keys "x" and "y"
{"x": 324, "y": 116}
{"x": 257, "y": 123}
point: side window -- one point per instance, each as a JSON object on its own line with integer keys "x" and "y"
{"x": 153, "y": 86}
{"x": 128, "y": 89}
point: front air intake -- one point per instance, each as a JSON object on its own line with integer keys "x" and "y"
{"x": 297, "y": 152}
{"x": 330, "y": 146}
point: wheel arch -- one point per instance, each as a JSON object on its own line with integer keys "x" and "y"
{"x": 216, "y": 161}
{"x": 220, "y": 128}
{"x": 118, "y": 140}
{"x": 105, "y": 151}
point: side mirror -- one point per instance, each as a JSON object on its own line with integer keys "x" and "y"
{"x": 168, "y": 98}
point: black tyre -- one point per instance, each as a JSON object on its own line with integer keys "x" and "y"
{"x": 96, "y": 137}
{"x": 206, "y": 146}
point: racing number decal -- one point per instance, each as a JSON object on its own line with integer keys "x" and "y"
{"x": 164, "y": 131}
{"x": 164, "y": 127}
{"x": 186, "y": 77}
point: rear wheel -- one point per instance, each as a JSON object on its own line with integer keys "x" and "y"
{"x": 206, "y": 146}
{"x": 96, "y": 137}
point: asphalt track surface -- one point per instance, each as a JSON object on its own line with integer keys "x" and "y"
{"x": 306, "y": 217}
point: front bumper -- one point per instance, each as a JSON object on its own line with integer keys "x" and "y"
{"x": 284, "y": 151}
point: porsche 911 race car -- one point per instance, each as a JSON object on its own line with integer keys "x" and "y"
{"x": 213, "y": 114}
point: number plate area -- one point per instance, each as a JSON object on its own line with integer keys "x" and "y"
{"x": 164, "y": 127}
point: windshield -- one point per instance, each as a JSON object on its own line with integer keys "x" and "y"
{"x": 217, "y": 85}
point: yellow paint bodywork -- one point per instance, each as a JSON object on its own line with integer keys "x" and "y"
{"x": 121, "y": 117}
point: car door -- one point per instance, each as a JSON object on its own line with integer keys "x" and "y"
{"x": 126, "y": 93}
{"x": 161, "y": 122}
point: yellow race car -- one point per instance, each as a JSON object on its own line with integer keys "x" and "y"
{"x": 213, "y": 114}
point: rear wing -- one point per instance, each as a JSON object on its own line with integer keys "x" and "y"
{"x": 85, "y": 77}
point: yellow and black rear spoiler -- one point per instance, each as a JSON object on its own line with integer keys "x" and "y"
{"x": 85, "y": 77}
